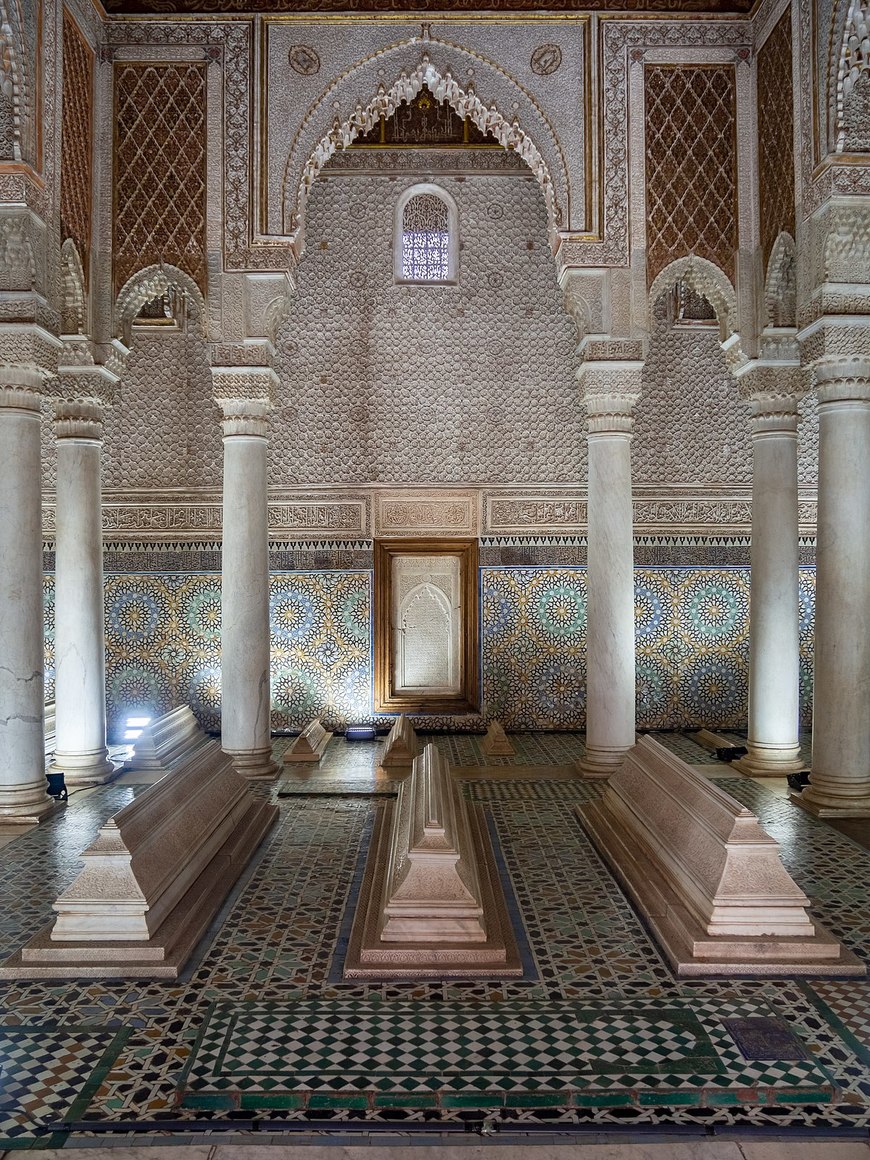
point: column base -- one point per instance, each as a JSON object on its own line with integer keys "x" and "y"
{"x": 769, "y": 760}
{"x": 255, "y": 764}
{"x": 83, "y": 769}
{"x": 26, "y": 806}
{"x": 856, "y": 808}
{"x": 601, "y": 763}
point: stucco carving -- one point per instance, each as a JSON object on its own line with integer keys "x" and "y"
{"x": 850, "y": 75}
{"x": 708, "y": 280}
{"x": 150, "y": 283}
{"x": 74, "y": 296}
{"x": 13, "y": 95}
{"x": 444, "y": 87}
{"x": 780, "y": 286}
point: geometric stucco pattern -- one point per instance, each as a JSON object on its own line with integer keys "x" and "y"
{"x": 776, "y": 136}
{"x": 164, "y": 429}
{"x": 691, "y": 629}
{"x": 691, "y": 426}
{"x": 159, "y": 169}
{"x": 691, "y": 165}
{"x": 464, "y": 383}
{"x": 76, "y": 165}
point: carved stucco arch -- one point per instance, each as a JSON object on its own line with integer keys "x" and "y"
{"x": 709, "y": 280}
{"x": 842, "y": 18}
{"x": 535, "y": 140}
{"x": 149, "y": 283}
{"x": 73, "y": 290}
{"x": 780, "y": 284}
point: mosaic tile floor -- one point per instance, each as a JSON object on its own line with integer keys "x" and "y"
{"x": 140, "y": 1055}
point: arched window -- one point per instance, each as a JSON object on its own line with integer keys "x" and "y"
{"x": 425, "y": 242}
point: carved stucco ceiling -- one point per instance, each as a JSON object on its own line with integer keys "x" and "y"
{"x": 172, "y": 7}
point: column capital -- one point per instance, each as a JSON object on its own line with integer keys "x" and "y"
{"x": 610, "y": 391}
{"x": 842, "y": 378}
{"x": 78, "y": 419}
{"x": 28, "y": 358}
{"x": 834, "y": 337}
{"x": 773, "y": 390}
{"x": 248, "y": 417}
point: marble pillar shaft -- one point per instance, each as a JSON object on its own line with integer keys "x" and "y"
{"x": 245, "y": 636}
{"x": 80, "y": 658}
{"x": 840, "y": 780}
{"x": 610, "y": 651}
{"x": 22, "y": 698}
{"x": 774, "y": 632}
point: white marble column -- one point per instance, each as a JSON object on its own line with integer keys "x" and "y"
{"x": 610, "y": 392}
{"x": 80, "y": 648}
{"x": 840, "y": 780}
{"x": 245, "y": 637}
{"x": 22, "y": 700}
{"x": 774, "y": 613}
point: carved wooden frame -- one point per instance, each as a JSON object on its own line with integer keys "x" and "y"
{"x": 386, "y": 699}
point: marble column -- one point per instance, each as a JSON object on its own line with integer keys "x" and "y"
{"x": 774, "y": 613}
{"x": 840, "y": 780}
{"x": 80, "y": 648}
{"x": 22, "y": 698}
{"x": 245, "y": 637}
{"x": 610, "y": 393}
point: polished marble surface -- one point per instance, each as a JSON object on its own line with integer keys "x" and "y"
{"x": 95, "y": 1054}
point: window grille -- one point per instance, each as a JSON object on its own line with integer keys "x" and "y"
{"x": 426, "y": 239}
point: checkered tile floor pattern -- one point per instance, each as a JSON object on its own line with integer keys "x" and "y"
{"x": 48, "y": 1074}
{"x": 127, "y": 1052}
{"x": 271, "y": 1051}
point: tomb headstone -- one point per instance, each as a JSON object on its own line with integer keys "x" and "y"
{"x": 310, "y": 745}
{"x": 705, "y": 876}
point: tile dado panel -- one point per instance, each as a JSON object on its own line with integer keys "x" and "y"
{"x": 163, "y": 646}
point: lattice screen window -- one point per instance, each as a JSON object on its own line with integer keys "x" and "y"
{"x": 426, "y": 242}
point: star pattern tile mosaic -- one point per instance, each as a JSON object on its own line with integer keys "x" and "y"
{"x": 692, "y": 639}
{"x": 144, "y": 1052}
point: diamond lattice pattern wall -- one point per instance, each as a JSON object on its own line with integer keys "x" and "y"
{"x": 160, "y": 180}
{"x": 76, "y": 158}
{"x": 691, "y": 165}
{"x": 776, "y": 136}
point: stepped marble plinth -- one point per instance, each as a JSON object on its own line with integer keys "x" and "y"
{"x": 496, "y": 743}
{"x": 310, "y": 745}
{"x": 402, "y": 746}
{"x": 706, "y": 878}
{"x": 154, "y": 878}
{"x": 431, "y": 903}
{"x": 166, "y": 743}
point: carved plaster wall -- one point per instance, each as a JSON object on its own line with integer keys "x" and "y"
{"x": 408, "y": 384}
{"x": 690, "y": 427}
{"x": 163, "y": 430}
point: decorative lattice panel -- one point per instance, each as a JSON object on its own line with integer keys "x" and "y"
{"x": 160, "y": 180}
{"x": 776, "y": 135}
{"x": 691, "y": 165}
{"x": 77, "y": 151}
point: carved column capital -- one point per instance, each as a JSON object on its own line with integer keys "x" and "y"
{"x": 248, "y": 417}
{"x": 78, "y": 419}
{"x": 610, "y": 391}
{"x": 842, "y": 379}
{"x": 28, "y": 359}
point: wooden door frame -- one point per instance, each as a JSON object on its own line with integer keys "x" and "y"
{"x": 386, "y": 699}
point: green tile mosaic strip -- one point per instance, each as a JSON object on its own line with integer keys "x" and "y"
{"x": 474, "y": 1055}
